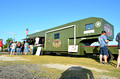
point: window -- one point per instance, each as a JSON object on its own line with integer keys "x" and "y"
{"x": 56, "y": 36}
{"x": 89, "y": 26}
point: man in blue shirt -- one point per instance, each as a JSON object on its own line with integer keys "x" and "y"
{"x": 103, "y": 46}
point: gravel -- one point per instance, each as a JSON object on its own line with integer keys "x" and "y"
{"x": 6, "y": 58}
{"x": 5, "y": 53}
{"x": 21, "y": 71}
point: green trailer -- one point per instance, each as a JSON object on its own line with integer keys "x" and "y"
{"x": 76, "y": 37}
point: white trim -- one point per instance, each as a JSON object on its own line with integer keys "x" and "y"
{"x": 68, "y": 42}
{"x": 60, "y": 29}
{"x": 74, "y": 36}
{"x": 83, "y": 38}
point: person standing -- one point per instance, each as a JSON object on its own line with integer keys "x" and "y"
{"x": 118, "y": 40}
{"x": 9, "y": 47}
{"x": 1, "y": 45}
{"x": 22, "y": 47}
{"x": 26, "y": 48}
{"x": 13, "y": 46}
{"x": 103, "y": 46}
{"x": 18, "y": 48}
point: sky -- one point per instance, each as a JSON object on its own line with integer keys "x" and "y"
{"x": 37, "y": 15}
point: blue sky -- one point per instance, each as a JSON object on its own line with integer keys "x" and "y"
{"x": 38, "y": 15}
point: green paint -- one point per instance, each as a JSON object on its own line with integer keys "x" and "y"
{"x": 83, "y": 37}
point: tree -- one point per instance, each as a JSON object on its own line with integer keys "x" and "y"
{"x": 7, "y": 42}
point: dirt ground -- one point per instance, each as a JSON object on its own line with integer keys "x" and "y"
{"x": 19, "y": 70}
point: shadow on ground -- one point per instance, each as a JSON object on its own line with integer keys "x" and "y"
{"x": 77, "y": 73}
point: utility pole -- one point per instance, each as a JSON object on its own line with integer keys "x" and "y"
{"x": 14, "y": 37}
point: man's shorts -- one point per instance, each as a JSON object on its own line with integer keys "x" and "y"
{"x": 12, "y": 50}
{"x": 9, "y": 49}
{"x": 103, "y": 51}
{"x": 118, "y": 47}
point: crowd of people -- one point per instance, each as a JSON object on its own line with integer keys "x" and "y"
{"x": 18, "y": 48}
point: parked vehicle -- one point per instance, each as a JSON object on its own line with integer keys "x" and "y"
{"x": 75, "y": 38}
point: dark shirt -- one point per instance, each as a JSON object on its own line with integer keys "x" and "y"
{"x": 9, "y": 45}
{"x": 22, "y": 47}
{"x": 18, "y": 46}
{"x": 118, "y": 38}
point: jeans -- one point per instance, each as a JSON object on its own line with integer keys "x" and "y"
{"x": 9, "y": 49}
{"x": 18, "y": 51}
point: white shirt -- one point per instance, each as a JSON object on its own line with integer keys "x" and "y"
{"x": 13, "y": 45}
{"x": 37, "y": 40}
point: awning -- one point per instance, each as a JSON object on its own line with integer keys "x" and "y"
{"x": 29, "y": 38}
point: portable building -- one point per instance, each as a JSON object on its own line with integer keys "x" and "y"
{"x": 71, "y": 38}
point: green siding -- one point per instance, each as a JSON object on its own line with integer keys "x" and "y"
{"x": 69, "y": 33}
{"x": 64, "y": 35}
{"x": 81, "y": 32}
{"x": 81, "y": 27}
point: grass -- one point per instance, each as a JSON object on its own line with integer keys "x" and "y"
{"x": 82, "y": 61}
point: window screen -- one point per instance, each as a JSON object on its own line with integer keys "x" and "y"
{"x": 89, "y": 26}
{"x": 57, "y": 36}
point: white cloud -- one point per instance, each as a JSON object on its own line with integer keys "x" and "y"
{"x": 9, "y": 33}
